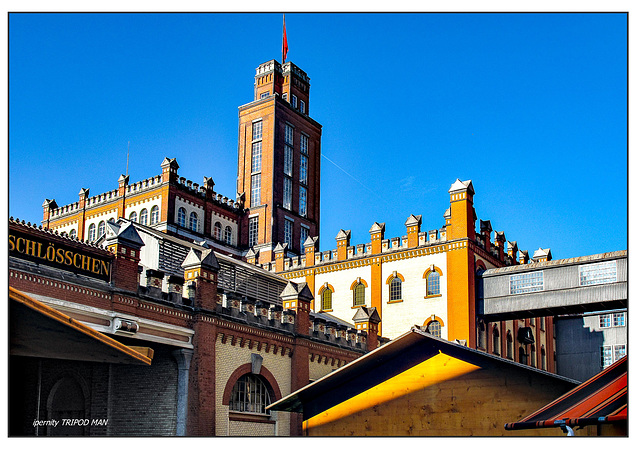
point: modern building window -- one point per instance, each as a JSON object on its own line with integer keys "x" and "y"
{"x": 256, "y": 157}
{"x": 303, "y": 201}
{"x": 304, "y": 234}
{"x": 288, "y": 232}
{"x": 143, "y": 216}
{"x": 526, "y": 283}
{"x": 598, "y": 273}
{"x": 619, "y": 351}
{"x": 286, "y": 193}
{"x": 256, "y": 132}
{"x": 73, "y": 234}
{"x": 433, "y": 283}
{"x": 217, "y": 231}
{"x": 155, "y": 215}
{"x": 133, "y": 216}
{"x": 256, "y": 182}
{"x": 358, "y": 295}
{"x": 92, "y": 232}
{"x": 435, "y": 328}
{"x": 253, "y": 231}
{"x": 304, "y": 164}
{"x": 101, "y": 228}
{"x": 182, "y": 217}
{"x": 250, "y": 394}
{"x": 395, "y": 289}
{"x": 228, "y": 235}
{"x": 302, "y": 106}
{"x": 606, "y": 356}
{"x": 288, "y": 134}
{"x": 619, "y": 319}
{"x": 288, "y": 160}
{"x": 193, "y": 221}
{"x": 326, "y": 296}
{"x": 294, "y": 101}
{"x": 605, "y": 321}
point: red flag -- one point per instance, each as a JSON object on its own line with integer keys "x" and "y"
{"x": 285, "y": 46}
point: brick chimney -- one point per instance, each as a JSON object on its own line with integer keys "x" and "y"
{"x": 524, "y": 257}
{"x": 251, "y": 256}
{"x": 169, "y": 170}
{"x": 367, "y": 320}
{"x": 461, "y": 223}
{"x": 47, "y": 207}
{"x": 377, "y": 235}
{"x": 512, "y": 251}
{"x": 485, "y": 234}
{"x": 413, "y": 230}
{"x": 125, "y": 243}
{"x": 500, "y": 240}
{"x": 343, "y": 239}
{"x": 201, "y": 271}
{"x": 541, "y": 255}
{"x": 279, "y": 252}
{"x": 310, "y": 249}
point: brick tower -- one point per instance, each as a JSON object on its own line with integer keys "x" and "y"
{"x": 279, "y": 162}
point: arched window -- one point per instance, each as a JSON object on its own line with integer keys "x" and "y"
{"x": 509, "y": 345}
{"x": 435, "y": 328}
{"x": 155, "y": 215}
{"x": 101, "y": 228}
{"x": 67, "y": 400}
{"x": 133, "y": 216}
{"x": 327, "y": 296}
{"x": 193, "y": 221}
{"x": 217, "y": 230}
{"x": 73, "y": 234}
{"x": 182, "y": 217}
{"x": 228, "y": 235}
{"x": 395, "y": 289}
{"x": 144, "y": 214}
{"x": 358, "y": 295}
{"x": 250, "y": 394}
{"x": 92, "y": 232}
{"x": 496, "y": 341}
{"x": 433, "y": 283}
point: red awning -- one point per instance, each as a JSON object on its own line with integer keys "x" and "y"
{"x": 601, "y": 399}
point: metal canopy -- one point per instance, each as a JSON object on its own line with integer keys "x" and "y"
{"x": 37, "y": 330}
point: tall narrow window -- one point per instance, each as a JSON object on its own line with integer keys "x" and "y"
{"x": 253, "y": 231}
{"x": 288, "y": 231}
{"x": 435, "y": 328}
{"x": 543, "y": 359}
{"x": 193, "y": 221}
{"x": 304, "y": 234}
{"x": 294, "y": 101}
{"x": 92, "y": 232}
{"x": 228, "y": 235}
{"x": 304, "y": 144}
{"x": 496, "y": 341}
{"x": 303, "y": 201}
{"x": 256, "y": 131}
{"x": 217, "y": 231}
{"x": 358, "y": 295}
{"x": 288, "y": 150}
{"x": 144, "y": 214}
{"x": 606, "y": 356}
{"x": 256, "y": 181}
{"x": 302, "y": 106}
{"x": 509, "y": 346}
{"x": 327, "y": 296}
{"x": 256, "y": 157}
{"x": 395, "y": 289}
{"x": 433, "y": 283}
{"x": 155, "y": 215}
{"x": 101, "y": 228}
{"x": 133, "y": 216}
{"x": 286, "y": 193}
{"x": 182, "y": 217}
{"x": 304, "y": 163}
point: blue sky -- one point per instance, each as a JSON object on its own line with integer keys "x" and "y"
{"x": 531, "y": 107}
